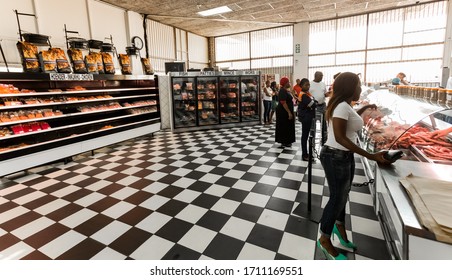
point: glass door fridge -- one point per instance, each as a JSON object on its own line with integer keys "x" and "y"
{"x": 249, "y": 98}
{"x": 207, "y": 94}
{"x": 229, "y": 99}
{"x": 184, "y": 101}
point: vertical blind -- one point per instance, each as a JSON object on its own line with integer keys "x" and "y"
{"x": 409, "y": 40}
{"x": 269, "y": 50}
{"x": 162, "y": 44}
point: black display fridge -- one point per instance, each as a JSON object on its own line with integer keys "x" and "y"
{"x": 210, "y": 99}
{"x": 184, "y": 101}
{"x": 229, "y": 99}
{"x": 249, "y": 98}
{"x": 207, "y": 96}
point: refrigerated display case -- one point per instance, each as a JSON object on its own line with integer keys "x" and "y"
{"x": 229, "y": 99}
{"x": 249, "y": 103}
{"x": 207, "y": 93}
{"x": 47, "y": 117}
{"x": 408, "y": 124}
{"x": 210, "y": 99}
{"x": 184, "y": 101}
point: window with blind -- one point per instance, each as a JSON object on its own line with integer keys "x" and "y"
{"x": 409, "y": 40}
{"x": 269, "y": 50}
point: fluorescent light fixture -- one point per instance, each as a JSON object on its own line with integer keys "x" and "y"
{"x": 215, "y": 11}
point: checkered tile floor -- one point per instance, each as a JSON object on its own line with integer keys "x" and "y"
{"x": 215, "y": 194}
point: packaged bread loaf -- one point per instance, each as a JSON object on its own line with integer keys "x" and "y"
{"x": 29, "y": 55}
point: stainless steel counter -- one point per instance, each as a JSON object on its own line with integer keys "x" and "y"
{"x": 400, "y": 169}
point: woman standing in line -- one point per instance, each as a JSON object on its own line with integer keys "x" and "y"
{"x": 306, "y": 113}
{"x": 275, "y": 90}
{"x": 268, "y": 93}
{"x": 285, "y": 124}
{"x": 337, "y": 158}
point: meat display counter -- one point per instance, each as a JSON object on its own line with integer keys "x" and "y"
{"x": 422, "y": 130}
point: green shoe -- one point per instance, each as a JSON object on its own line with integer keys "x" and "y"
{"x": 344, "y": 243}
{"x": 328, "y": 256}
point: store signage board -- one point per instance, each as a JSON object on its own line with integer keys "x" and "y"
{"x": 71, "y": 77}
{"x": 228, "y": 73}
{"x": 207, "y": 73}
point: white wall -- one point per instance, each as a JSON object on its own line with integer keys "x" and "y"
{"x": 9, "y": 31}
{"x": 301, "y": 59}
{"x": 51, "y": 19}
{"x": 96, "y": 20}
{"x": 106, "y": 20}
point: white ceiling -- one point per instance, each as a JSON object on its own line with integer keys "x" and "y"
{"x": 249, "y": 15}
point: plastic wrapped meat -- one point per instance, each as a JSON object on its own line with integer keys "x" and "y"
{"x": 371, "y": 114}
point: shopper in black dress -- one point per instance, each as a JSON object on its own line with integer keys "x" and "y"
{"x": 306, "y": 114}
{"x": 285, "y": 123}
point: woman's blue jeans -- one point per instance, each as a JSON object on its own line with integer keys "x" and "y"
{"x": 339, "y": 167}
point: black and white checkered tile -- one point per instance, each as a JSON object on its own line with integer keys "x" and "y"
{"x": 214, "y": 194}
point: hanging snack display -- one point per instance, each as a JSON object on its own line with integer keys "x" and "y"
{"x": 100, "y": 64}
{"x": 76, "y": 57}
{"x": 48, "y": 62}
{"x": 91, "y": 63}
{"x": 29, "y": 55}
{"x": 126, "y": 67}
{"x": 61, "y": 60}
{"x": 147, "y": 67}
{"x": 109, "y": 66}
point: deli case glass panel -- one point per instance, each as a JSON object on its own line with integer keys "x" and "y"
{"x": 229, "y": 99}
{"x": 421, "y": 129}
{"x": 249, "y": 97}
{"x": 207, "y": 95}
{"x": 184, "y": 99}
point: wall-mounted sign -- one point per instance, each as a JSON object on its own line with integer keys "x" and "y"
{"x": 297, "y": 48}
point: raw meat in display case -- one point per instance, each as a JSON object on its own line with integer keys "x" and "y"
{"x": 207, "y": 92}
{"x": 229, "y": 99}
{"x": 408, "y": 125}
{"x": 249, "y": 98}
{"x": 184, "y": 101}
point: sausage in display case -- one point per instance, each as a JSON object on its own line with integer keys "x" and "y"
{"x": 422, "y": 130}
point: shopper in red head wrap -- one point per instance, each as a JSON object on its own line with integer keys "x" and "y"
{"x": 285, "y": 123}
